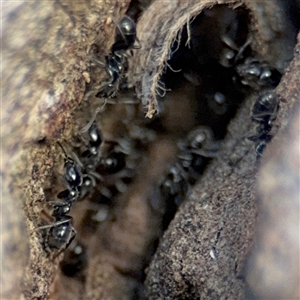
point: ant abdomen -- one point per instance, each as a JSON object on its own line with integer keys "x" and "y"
{"x": 61, "y": 233}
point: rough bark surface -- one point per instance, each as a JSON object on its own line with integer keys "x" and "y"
{"x": 273, "y": 268}
{"x": 45, "y": 72}
{"x": 202, "y": 253}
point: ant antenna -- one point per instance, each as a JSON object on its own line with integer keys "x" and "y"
{"x": 51, "y": 225}
{"x": 62, "y": 148}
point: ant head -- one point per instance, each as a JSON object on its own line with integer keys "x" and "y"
{"x": 127, "y": 26}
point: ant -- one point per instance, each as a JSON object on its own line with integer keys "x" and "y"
{"x": 61, "y": 232}
{"x": 173, "y": 190}
{"x": 114, "y": 159}
{"x": 125, "y": 38}
{"x": 113, "y": 163}
{"x": 197, "y": 151}
{"x": 264, "y": 113}
{"x": 175, "y": 184}
{"x": 194, "y": 154}
{"x": 83, "y": 176}
{"x": 218, "y": 103}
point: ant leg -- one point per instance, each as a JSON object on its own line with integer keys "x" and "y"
{"x": 89, "y": 124}
{"x": 96, "y": 175}
{"x": 97, "y": 62}
{"x": 242, "y": 49}
{"x": 76, "y": 158}
{"x": 229, "y": 42}
{"x": 63, "y": 149}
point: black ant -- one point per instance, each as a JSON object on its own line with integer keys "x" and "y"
{"x": 232, "y": 53}
{"x": 125, "y": 38}
{"x": 264, "y": 113}
{"x": 83, "y": 174}
{"x": 173, "y": 190}
{"x": 195, "y": 153}
{"x": 72, "y": 173}
{"x": 218, "y": 103}
{"x": 113, "y": 68}
{"x": 115, "y": 158}
{"x": 175, "y": 184}
{"x": 61, "y": 232}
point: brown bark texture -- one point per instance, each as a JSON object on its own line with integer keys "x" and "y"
{"x": 46, "y": 64}
{"x": 273, "y": 267}
{"x": 236, "y": 236}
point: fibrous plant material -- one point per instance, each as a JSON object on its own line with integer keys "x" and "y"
{"x": 146, "y": 167}
{"x": 151, "y": 63}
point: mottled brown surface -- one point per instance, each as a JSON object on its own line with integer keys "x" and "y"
{"x": 46, "y": 58}
{"x": 223, "y": 201}
{"x": 46, "y": 64}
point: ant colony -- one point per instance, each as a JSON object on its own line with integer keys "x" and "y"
{"x": 206, "y": 80}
